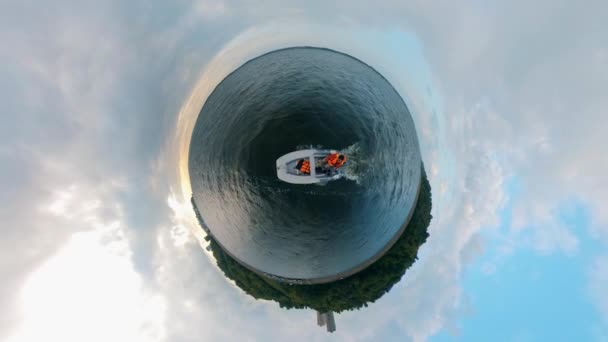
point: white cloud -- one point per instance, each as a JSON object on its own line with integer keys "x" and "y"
{"x": 90, "y": 291}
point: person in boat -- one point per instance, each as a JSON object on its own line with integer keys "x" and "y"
{"x": 335, "y": 160}
{"x": 304, "y": 166}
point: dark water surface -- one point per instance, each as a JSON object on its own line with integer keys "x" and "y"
{"x": 283, "y": 101}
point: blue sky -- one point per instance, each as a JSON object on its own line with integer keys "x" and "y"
{"x": 527, "y": 296}
{"x": 99, "y": 98}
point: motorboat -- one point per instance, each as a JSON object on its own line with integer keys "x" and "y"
{"x": 288, "y": 172}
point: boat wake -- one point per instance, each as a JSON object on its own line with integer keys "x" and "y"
{"x": 357, "y": 165}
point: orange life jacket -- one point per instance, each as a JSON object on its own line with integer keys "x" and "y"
{"x": 305, "y": 167}
{"x": 334, "y": 161}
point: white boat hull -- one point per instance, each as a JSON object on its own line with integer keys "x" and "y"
{"x": 287, "y": 172}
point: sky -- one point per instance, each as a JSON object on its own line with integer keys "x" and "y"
{"x": 97, "y": 100}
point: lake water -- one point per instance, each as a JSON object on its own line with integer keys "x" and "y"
{"x": 287, "y": 100}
